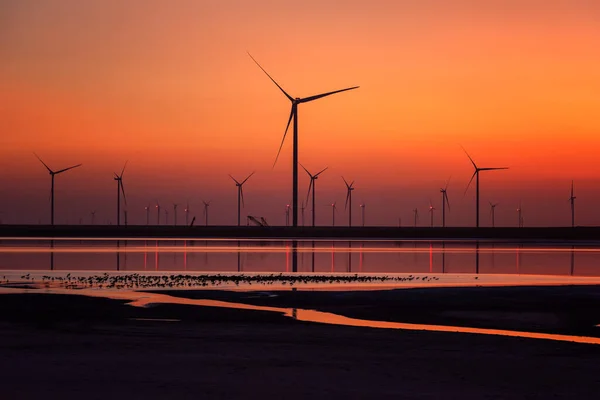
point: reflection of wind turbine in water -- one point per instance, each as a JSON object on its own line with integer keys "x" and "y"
{"x": 312, "y": 186}
{"x": 240, "y": 191}
{"x": 120, "y": 190}
{"x": 53, "y": 174}
{"x": 294, "y": 115}
{"x": 572, "y": 200}
{"x": 476, "y": 174}
{"x": 444, "y": 192}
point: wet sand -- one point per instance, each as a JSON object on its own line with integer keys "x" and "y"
{"x": 68, "y": 346}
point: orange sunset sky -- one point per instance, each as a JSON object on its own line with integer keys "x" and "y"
{"x": 169, "y": 87}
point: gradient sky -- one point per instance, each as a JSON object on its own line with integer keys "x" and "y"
{"x": 169, "y": 87}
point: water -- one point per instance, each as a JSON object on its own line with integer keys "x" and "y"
{"x": 446, "y": 257}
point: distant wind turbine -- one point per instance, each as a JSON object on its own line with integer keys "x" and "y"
{"x": 416, "y": 212}
{"x": 166, "y": 217}
{"x": 206, "y": 204}
{"x": 303, "y": 208}
{"x": 333, "y": 209}
{"x": 147, "y": 208}
{"x": 313, "y": 186}
{"x": 493, "y": 213}
{"x": 175, "y": 213}
{"x": 52, "y": 174}
{"x": 431, "y": 210}
{"x": 445, "y": 201}
{"x": 157, "y": 213}
{"x": 187, "y": 213}
{"x": 476, "y": 173}
{"x": 348, "y": 206}
{"x": 362, "y": 213}
{"x": 520, "y": 215}
{"x": 120, "y": 190}
{"x": 93, "y": 214}
{"x": 287, "y": 215}
{"x": 240, "y": 195}
{"x": 294, "y": 115}
{"x": 572, "y": 200}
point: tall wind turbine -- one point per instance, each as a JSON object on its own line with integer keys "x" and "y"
{"x": 312, "y": 186}
{"x": 362, "y": 213}
{"x": 206, "y": 204}
{"x": 348, "y": 206}
{"x": 52, "y": 174}
{"x": 476, "y": 173}
{"x": 120, "y": 189}
{"x": 294, "y": 115}
{"x": 431, "y": 210}
{"x": 493, "y": 213}
{"x": 445, "y": 201}
{"x": 240, "y": 194}
{"x": 572, "y": 200}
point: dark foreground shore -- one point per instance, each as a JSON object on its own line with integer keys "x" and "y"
{"x": 579, "y": 233}
{"x": 68, "y": 346}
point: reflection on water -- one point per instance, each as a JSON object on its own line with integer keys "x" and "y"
{"x": 300, "y": 256}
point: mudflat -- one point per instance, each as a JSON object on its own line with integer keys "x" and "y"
{"x": 69, "y": 346}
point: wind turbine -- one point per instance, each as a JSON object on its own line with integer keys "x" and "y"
{"x": 187, "y": 213}
{"x": 93, "y": 214}
{"x": 476, "y": 173}
{"x": 350, "y": 188}
{"x": 175, "y": 214}
{"x": 444, "y": 192}
{"x": 120, "y": 189}
{"x": 572, "y": 200}
{"x": 333, "y": 209}
{"x": 206, "y": 204}
{"x": 240, "y": 193}
{"x": 294, "y": 115}
{"x": 520, "y": 213}
{"x": 431, "y": 209}
{"x": 362, "y": 213}
{"x": 416, "y": 212}
{"x": 147, "y": 208}
{"x": 493, "y": 213}
{"x": 312, "y": 186}
{"x": 52, "y": 174}
{"x": 303, "y": 208}
{"x": 157, "y": 213}
{"x": 166, "y": 217}
{"x": 287, "y": 215}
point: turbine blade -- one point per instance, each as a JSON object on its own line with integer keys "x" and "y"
{"x": 235, "y": 180}
{"x": 447, "y": 183}
{"x": 284, "y": 135}
{"x": 309, "y": 189}
{"x": 123, "y": 170}
{"x": 492, "y": 169}
{"x": 472, "y": 176}
{"x": 347, "y": 198}
{"x": 244, "y": 181}
{"x": 242, "y": 196}
{"x": 447, "y": 201}
{"x": 66, "y": 169}
{"x": 306, "y": 170}
{"x": 47, "y": 167}
{"x": 473, "y": 162}
{"x": 348, "y": 186}
{"x": 318, "y": 96}
{"x": 277, "y": 84}
{"x": 321, "y": 171}
{"x": 123, "y": 190}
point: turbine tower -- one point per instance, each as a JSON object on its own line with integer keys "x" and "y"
{"x": 206, "y": 204}
{"x": 52, "y": 174}
{"x": 493, "y": 213}
{"x": 431, "y": 209}
{"x": 312, "y": 185}
{"x": 240, "y": 194}
{"x": 175, "y": 213}
{"x": 416, "y": 212}
{"x": 157, "y": 213}
{"x": 287, "y": 215}
{"x": 303, "y": 208}
{"x": 348, "y": 206}
{"x": 445, "y": 201}
{"x": 294, "y": 115}
{"x": 120, "y": 189}
{"x": 187, "y": 213}
{"x": 476, "y": 173}
{"x": 572, "y": 200}
{"x": 147, "y": 208}
{"x": 520, "y": 215}
{"x": 93, "y": 214}
{"x": 333, "y": 209}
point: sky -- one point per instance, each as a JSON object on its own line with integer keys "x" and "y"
{"x": 169, "y": 87}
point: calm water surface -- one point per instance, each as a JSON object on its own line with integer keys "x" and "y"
{"x": 312, "y": 256}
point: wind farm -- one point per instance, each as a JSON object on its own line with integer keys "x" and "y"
{"x": 225, "y": 271}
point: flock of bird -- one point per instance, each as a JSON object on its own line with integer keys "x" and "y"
{"x": 140, "y": 281}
